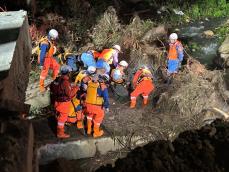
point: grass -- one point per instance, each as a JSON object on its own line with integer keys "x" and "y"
{"x": 197, "y": 10}
{"x": 222, "y": 32}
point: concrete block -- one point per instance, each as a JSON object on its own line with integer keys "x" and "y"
{"x": 15, "y": 48}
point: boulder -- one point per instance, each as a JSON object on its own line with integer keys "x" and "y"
{"x": 224, "y": 52}
{"x": 154, "y": 33}
{"x": 208, "y": 33}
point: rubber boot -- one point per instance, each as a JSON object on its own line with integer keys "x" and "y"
{"x": 97, "y": 131}
{"x": 61, "y": 134}
{"x": 133, "y": 103}
{"x": 79, "y": 124}
{"x": 53, "y": 78}
{"x": 42, "y": 85}
{"x": 89, "y": 126}
{"x": 145, "y": 101}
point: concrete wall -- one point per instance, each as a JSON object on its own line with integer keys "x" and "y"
{"x": 15, "y": 49}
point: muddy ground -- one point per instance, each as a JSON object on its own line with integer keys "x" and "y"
{"x": 195, "y": 150}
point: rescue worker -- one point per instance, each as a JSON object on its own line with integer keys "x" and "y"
{"x": 142, "y": 84}
{"x": 64, "y": 92}
{"x": 46, "y": 59}
{"x": 119, "y": 82}
{"x": 76, "y": 109}
{"x": 85, "y": 75}
{"x": 117, "y": 74}
{"x": 76, "y": 114}
{"x": 175, "y": 54}
{"x": 89, "y": 58}
{"x": 108, "y": 57}
{"x": 97, "y": 102}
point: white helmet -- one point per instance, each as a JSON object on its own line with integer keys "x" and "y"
{"x": 53, "y": 34}
{"x": 117, "y": 47}
{"x": 123, "y": 63}
{"x": 91, "y": 69}
{"x": 173, "y": 36}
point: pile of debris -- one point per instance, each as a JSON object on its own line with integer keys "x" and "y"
{"x": 195, "y": 150}
{"x": 195, "y": 89}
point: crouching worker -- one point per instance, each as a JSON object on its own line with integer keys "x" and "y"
{"x": 76, "y": 115}
{"x": 142, "y": 84}
{"x": 117, "y": 74}
{"x": 63, "y": 92}
{"x": 97, "y": 101}
{"x": 118, "y": 81}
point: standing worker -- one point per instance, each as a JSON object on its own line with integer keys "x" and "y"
{"x": 97, "y": 101}
{"x": 46, "y": 59}
{"x": 108, "y": 57}
{"x": 142, "y": 84}
{"x": 63, "y": 93}
{"x": 175, "y": 54}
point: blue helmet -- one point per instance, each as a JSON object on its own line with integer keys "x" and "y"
{"x": 99, "y": 64}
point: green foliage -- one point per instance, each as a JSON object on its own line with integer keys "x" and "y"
{"x": 107, "y": 31}
{"x": 222, "y": 32}
{"x": 208, "y": 8}
{"x": 198, "y": 9}
{"x": 194, "y": 46}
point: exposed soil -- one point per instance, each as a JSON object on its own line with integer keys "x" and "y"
{"x": 195, "y": 150}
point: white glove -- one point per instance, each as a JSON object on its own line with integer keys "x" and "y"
{"x": 107, "y": 109}
{"x": 179, "y": 65}
{"x": 40, "y": 67}
{"x": 85, "y": 87}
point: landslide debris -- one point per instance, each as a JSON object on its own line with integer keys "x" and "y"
{"x": 206, "y": 149}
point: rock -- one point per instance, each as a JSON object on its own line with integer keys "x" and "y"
{"x": 208, "y": 33}
{"x": 224, "y": 52}
{"x": 16, "y": 145}
{"x": 154, "y": 33}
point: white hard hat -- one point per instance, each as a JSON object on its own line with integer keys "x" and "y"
{"x": 173, "y": 36}
{"x": 117, "y": 47}
{"x": 123, "y": 63}
{"x": 91, "y": 69}
{"x": 53, "y": 34}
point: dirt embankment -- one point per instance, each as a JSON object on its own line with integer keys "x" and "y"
{"x": 196, "y": 150}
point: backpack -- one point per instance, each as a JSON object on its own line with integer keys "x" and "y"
{"x": 57, "y": 92}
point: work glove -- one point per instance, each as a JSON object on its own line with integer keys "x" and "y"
{"x": 40, "y": 67}
{"x": 179, "y": 65}
{"x": 107, "y": 110}
{"x": 84, "y": 87}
